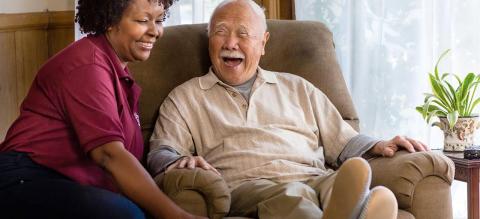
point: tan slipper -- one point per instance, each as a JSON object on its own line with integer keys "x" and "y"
{"x": 350, "y": 190}
{"x": 380, "y": 204}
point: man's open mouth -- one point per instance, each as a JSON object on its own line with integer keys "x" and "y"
{"x": 232, "y": 62}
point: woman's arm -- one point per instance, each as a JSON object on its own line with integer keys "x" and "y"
{"x": 134, "y": 181}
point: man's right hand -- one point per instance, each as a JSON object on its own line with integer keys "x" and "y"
{"x": 191, "y": 162}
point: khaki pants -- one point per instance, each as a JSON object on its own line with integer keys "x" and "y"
{"x": 267, "y": 199}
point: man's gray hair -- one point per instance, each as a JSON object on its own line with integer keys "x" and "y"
{"x": 255, "y": 7}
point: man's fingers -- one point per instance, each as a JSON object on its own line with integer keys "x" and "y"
{"x": 402, "y": 141}
{"x": 388, "y": 152}
{"x": 202, "y": 163}
{"x": 425, "y": 146}
{"x": 191, "y": 162}
{"x": 416, "y": 145}
{"x": 216, "y": 171}
{"x": 389, "y": 149}
{"x": 183, "y": 162}
{"x": 206, "y": 166}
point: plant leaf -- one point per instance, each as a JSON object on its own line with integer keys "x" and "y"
{"x": 452, "y": 118}
{"x": 465, "y": 86}
{"x": 434, "y": 113}
{"x": 444, "y": 108}
{"x": 475, "y": 103}
{"x": 438, "y": 91}
{"x": 438, "y": 61}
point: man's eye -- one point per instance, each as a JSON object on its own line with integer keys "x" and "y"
{"x": 142, "y": 21}
{"x": 221, "y": 32}
{"x": 243, "y": 34}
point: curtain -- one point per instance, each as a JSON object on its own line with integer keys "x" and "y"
{"x": 191, "y": 11}
{"x": 386, "y": 48}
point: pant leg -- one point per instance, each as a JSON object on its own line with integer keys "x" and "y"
{"x": 29, "y": 190}
{"x": 323, "y": 185}
{"x": 266, "y": 199}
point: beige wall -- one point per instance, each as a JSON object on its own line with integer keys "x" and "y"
{"x": 24, "y": 6}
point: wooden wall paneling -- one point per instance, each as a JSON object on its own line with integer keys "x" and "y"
{"x": 287, "y": 10}
{"x": 59, "y": 39}
{"x": 278, "y": 9}
{"x": 32, "y": 52}
{"x": 26, "y": 42}
{"x": 29, "y": 21}
{"x": 60, "y": 31}
{"x": 272, "y": 8}
{"x": 8, "y": 82}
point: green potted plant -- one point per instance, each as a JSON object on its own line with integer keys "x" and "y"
{"x": 453, "y": 105}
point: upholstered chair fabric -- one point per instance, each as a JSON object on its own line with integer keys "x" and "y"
{"x": 420, "y": 181}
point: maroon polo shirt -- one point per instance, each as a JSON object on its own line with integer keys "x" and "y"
{"x": 80, "y": 99}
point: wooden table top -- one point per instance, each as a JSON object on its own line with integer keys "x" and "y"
{"x": 458, "y": 159}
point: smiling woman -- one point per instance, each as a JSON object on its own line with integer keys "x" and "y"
{"x": 73, "y": 152}
{"x": 133, "y": 36}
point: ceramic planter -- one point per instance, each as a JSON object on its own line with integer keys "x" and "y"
{"x": 461, "y": 135}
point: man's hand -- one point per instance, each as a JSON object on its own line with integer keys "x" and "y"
{"x": 191, "y": 162}
{"x": 390, "y": 147}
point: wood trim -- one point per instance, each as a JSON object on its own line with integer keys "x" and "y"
{"x": 15, "y": 22}
{"x": 36, "y": 20}
{"x": 278, "y": 9}
{"x": 61, "y": 19}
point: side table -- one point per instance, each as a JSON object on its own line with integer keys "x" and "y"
{"x": 468, "y": 171}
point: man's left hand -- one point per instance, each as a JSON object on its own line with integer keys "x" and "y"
{"x": 390, "y": 147}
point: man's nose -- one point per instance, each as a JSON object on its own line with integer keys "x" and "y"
{"x": 231, "y": 42}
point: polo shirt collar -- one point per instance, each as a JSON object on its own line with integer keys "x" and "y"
{"x": 210, "y": 79}
{"x": 101, "y": 42}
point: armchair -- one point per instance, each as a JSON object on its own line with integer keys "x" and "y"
{"x": 420, "y": 181}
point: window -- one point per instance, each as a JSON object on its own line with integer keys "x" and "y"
{"x": 191, "y": 11}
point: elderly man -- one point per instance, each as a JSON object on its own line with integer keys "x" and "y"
{"x": 270, "y": 135}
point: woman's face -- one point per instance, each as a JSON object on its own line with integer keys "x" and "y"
{"x": 140, "y": 26}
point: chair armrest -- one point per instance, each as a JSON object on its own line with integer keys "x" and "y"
{"x": 404, "y": 171}
{"x": 211, "y": 187}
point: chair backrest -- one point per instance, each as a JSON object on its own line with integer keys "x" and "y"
{"x": 304, "y": 48}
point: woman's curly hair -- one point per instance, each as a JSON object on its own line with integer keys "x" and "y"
{"x": 96, "y": 16}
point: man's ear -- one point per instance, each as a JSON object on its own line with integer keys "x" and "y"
{"x": 266, "y": 36}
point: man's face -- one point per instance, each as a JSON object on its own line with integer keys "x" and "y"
{"x": 237, "y": 40}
